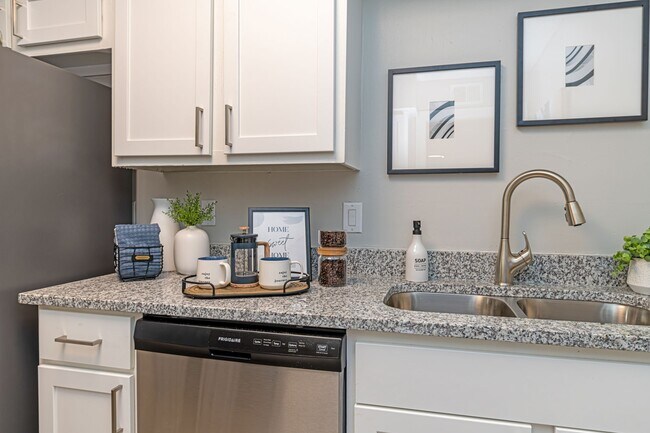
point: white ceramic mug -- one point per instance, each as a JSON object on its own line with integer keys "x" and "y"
{"x": 275, "y": 271}
{"x": 214, "y": 270}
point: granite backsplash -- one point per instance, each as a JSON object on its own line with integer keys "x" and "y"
{"x": 554, "y": 269}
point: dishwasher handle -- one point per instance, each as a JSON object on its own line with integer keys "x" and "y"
{"x": 230, "y": 356}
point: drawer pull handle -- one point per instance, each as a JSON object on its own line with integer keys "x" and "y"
{"x": 114, "y": 392}
{"x": 64, "y": 339}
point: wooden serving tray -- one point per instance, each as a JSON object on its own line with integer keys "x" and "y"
{"x": 196, "y": 290}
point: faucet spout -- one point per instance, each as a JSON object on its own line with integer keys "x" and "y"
{"x": 509, "y": 264}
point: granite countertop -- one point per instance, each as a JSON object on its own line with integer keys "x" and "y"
{"x": 359, "y": 306}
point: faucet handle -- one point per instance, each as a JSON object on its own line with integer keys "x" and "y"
{"x": 526, "y": 253}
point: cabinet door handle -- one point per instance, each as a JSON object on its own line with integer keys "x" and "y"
{"x": 64, "y": 339}
{"x": 228, "y": 125}
{"x": 14, "y": 20}
{"x": 198, "y": 116}
{"x": 114, "y": 392}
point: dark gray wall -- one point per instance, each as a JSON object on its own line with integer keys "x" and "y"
{"x": 59, "y": 201}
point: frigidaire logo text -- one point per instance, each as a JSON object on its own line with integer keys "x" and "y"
{"x": 229, "y": 339}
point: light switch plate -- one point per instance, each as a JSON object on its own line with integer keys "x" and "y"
{"x": 352, "y": 217}
{"x": 213, "y": 221}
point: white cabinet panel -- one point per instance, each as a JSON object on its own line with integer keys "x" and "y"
{"x": 279, "y": 75}
{"x": 98, "y": 340}
{"x": 570, "y": 430}
{"x": 547, "y": 390}
{"x": 40, "y": 22}
{"x": 386, "y": 420}
{"x": 162, "y": 78}
{"x": 82, "y": 401}
{"x": 5, "y": 25}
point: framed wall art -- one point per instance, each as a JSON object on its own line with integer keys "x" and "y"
{"x": 286, "y": 229}
{"x": 583, "y": 64}
{"x": 444, "y": 119}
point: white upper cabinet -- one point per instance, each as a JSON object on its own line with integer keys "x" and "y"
{"x": 162, "y": 85}
{"x": 50, "y": 27}
{"x": 284, "y": 91}
{"x": 279, "y": 71}
{"x": 40, "y": 22}
{"x": 5, "y": 36}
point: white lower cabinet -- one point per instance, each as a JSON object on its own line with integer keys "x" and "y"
{"x": 402, "y": 384}
{"x": 387, "y": 420}
{"x": 73, "y": 400}
{"x": 86, "y": 376}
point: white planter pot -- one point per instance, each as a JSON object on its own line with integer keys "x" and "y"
{"x": 638, "y": 276}
{"x": 168, "y": 229}
{"x": 190, "y": 244}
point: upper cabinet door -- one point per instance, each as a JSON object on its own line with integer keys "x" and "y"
{"x": 40, "y": 22}
{"x": 162, "y": 78}
{"x": 279, "y": 75}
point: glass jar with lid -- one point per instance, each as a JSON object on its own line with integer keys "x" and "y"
{"x": 332, "y": 266}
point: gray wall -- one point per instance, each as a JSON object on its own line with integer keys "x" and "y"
{"x": 607, "y": 164}
{"x": 60, "y": 200}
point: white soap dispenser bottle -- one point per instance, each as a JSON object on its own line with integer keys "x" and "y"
{"x": 417, "y": 259}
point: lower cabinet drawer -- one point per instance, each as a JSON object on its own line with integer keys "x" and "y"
{"x": 387, "y": 420}
{"x": 577, "y": 394}
{"x": 97, "y": 340}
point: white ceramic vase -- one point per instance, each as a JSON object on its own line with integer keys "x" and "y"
{"x": 190, "y": 244}
{"x": 168, "y": 229}
{"x": 638, "y": 276}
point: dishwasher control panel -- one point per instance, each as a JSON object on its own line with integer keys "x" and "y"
{"x": 237, "y": 340}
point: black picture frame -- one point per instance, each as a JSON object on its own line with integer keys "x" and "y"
{"x": 580, "y": 9}
{"x": 306, "y": 211}
{"x": 497, "y": 117}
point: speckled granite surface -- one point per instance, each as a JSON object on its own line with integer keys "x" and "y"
{"x": 551, "y": 269}
{"x": 360, "y": 306}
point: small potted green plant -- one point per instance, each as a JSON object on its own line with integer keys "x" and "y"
{"x": 191, "y": 243}
{"x": 635, "y": 257}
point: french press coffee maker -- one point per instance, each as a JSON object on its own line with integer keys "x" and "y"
{"x": 243, "y": 258}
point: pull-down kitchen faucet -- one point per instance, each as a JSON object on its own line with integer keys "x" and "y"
{"x": 509, "y": 264}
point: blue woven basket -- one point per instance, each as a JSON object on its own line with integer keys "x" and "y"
{"x": 138, "y": 263}
{"x": 137, "y": 254}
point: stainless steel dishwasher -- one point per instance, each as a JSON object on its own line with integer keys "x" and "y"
{"x": 198, "y": 376}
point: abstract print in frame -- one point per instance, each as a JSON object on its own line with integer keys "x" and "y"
{"x": 583, "y": 64}
{"x": 444, "y": 119}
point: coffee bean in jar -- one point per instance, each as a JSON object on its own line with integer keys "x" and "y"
{"x": 332, "y": 238}
{"x": 332, "y": 267}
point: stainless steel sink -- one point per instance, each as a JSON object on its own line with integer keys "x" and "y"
{"x": 450, "y": 303}
{"x": 584, "y": 311}
{"x": 532, "y": 308}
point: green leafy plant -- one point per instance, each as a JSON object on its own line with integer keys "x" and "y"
{"x": 189, "y": 211}
{"x": 635, "y": 247}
